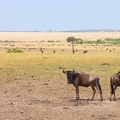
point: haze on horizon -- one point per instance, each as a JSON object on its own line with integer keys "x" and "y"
{"x": 41, "y": 15}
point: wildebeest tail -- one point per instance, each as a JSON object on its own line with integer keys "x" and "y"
{"x": 98, "y": 86}
{"x": 111, "y": 85}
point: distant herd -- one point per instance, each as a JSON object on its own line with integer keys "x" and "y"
{"x": 42, "y": 47}
{"x": 82, "y": 79}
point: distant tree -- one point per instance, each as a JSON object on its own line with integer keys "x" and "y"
{"x": 70, "y": 39}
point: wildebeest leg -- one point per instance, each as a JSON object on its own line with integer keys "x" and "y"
{"x": 110, "y": 96}
{"x": 101, "y": 96}
{"x": 114, "y": 92}
{"x": 77, "y": 93}
{"x": 94, "y": 91}
{"x": 112, "y": 87}
{"x": 114, "y": 96}
{"x": 100, "y": 90}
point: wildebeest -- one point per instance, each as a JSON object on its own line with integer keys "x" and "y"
{"x": 41, "y": 51}
{"x": 53, "y": 51}
{"x": 85, "y": 51}
{"x": 85, "y": 80}
{"x": 73, "y": 51}
{"x": 114, "y": 83}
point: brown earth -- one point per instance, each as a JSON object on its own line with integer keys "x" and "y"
{"x": 35, "y": 99}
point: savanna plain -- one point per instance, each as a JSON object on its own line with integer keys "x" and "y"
{"x": 33, "y": 86}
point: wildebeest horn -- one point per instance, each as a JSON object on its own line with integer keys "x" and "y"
{"x": 73, "y": 70}
{"x": 64, "y": 71}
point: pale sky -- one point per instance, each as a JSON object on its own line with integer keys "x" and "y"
{"x": 30, "y": 15}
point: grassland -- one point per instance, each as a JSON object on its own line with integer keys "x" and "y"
{"x": 34, "y": 87}
{"x": 34, "y": 60}
{"x": 49, "y": 65}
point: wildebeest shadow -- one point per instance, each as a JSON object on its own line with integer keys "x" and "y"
{"x": 83, "y": 102}
{"x": 117, "y": 98}
{"x": 79, "y": 102}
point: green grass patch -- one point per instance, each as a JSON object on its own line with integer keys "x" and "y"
{"x": 53, "y": 41}
{"x": 15, "y": 51}
{"x": 113, "y": 41}
{"x": 80, "y": 41}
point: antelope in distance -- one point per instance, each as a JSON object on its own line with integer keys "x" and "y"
{"x": 85, "y": 80}
{"x": 114, "y": 83}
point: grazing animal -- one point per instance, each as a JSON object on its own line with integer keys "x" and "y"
{"x": 85, "y": 51}
{"x": 85, "y": 80}
{"x": 41, "y": 51}
{"x": 53, "y": 51}
{"x": 114, "y": 83}
{"x": 73, "y": 51}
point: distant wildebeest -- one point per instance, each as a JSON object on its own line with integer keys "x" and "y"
{"x": 53, "y": 51}
{"x": 114, "y": 83}
{"x": 41, "y": 51}
{"x": 85, "y": 80}
{"x": 85, "y": 51}
{"x": 73, "y": 51}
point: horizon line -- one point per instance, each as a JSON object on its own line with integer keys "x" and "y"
{"x": 81, "y": 30}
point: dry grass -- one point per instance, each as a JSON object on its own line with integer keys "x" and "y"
{"x": 62, "y": 36}
{"x": 49, "y": 65}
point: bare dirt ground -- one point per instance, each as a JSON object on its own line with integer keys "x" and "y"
{"x": 35, "y": 99}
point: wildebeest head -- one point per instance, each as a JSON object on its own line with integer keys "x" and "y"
{"x": 69, "y": 74}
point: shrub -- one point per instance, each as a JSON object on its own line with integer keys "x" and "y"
{"x": 15, "y": 51}
{"x": 50, "y": 41}
{"x": 113, "y": 41}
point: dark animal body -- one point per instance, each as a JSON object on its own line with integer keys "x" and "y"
{"x": 114, "y": 83}
{"x": 85, "y": 80}
{"x": 85, "y": 51}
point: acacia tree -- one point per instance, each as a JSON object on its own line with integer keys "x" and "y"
{"x": 71, "y": 39}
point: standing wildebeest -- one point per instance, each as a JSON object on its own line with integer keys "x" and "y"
{"x": 114, "y": 82}
{"x": 85, "y": 51}
{"x": 85, "y": 80}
